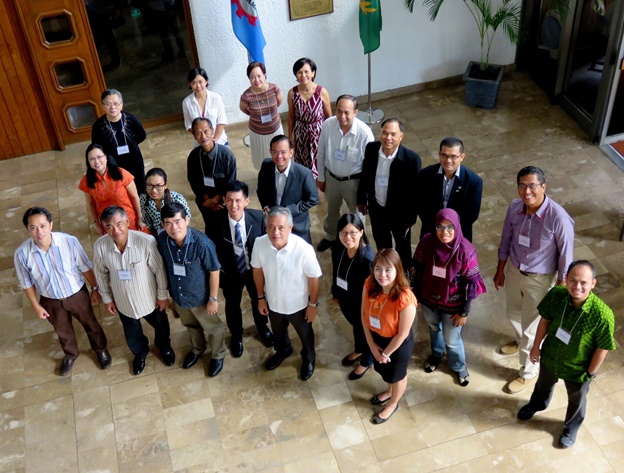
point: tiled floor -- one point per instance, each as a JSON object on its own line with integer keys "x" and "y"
{"x": 247, "y": 419}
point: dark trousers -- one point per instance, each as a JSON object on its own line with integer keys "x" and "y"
{"x": 79, "y": 307}
{"x": 232, "y": 284}
{"x": 137, "y": 342}
{"x": 384, "y": 228}
{"x": 354, "y": 316}
{"x": 577, "y": 398}
{"x": 212, "y": 221}
{"x": 280, "y": 323}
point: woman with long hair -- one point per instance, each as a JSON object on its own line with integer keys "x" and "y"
{"x": 106, "y": 184}
{"x": 388, "y": 312}
{"x": 352, "y": 261}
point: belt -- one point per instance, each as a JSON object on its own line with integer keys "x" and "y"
{"x": 346, "y": 178}
{"x": 68, "y": 297}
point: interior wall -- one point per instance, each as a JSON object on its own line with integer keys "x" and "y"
{"x": 413, "y": 50}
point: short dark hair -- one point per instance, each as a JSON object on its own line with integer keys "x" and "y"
{"x": 278, "y": 138}
{"x": 237, "y": 186}
{"x": 350, "y": 98}
{"x": 198, "y": 120}
{"x": 253, "y": 65}
{"x": 582, "y": 262}
{"x": 110, "y": 212}
{"x": 451, "y": 142}
{"x": 171, "y": 209}
{"x": 299, "y": 63}
{"x": 198, "y": 71}
{"x": 394, "y": 120}
{"x": 108, "y": 92}
{"x": 525, "y": 171}
{"x": 36, "y": 211}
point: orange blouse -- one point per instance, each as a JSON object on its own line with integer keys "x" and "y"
{"x": 109, "y": 192}
{"x": 386, "y": 310}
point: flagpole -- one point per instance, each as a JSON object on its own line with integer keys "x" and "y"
{"x": 246, "y": 139}
{"x": 373, "y": 116}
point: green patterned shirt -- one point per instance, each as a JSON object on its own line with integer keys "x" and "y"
{"x": 591, "y": 327}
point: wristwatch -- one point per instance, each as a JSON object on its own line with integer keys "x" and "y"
{"x": 591, "y": 376}
{"x": 213, "y": 299}
{"x": 316, "y": 304}
{"x": 94, "y": 288}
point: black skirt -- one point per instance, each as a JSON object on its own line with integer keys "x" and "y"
{"x": 396, "y": 369}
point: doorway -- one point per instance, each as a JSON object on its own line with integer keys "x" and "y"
{"x": 145, "y": 48}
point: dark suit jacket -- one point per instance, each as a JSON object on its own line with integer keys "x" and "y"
{"x": 465, "y": 198}
{"x": 401, "y": 202}
{"x": 254, "y": 227}
{"x": 300, "y": 193}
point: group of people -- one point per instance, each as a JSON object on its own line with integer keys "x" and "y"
{"x": 148, "y": 251}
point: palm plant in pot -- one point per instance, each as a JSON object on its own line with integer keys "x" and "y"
{"x": 482, "y": 78}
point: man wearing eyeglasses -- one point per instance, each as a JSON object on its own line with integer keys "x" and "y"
{"x": 538, "y": 243}
{"x": 285, "y": 183}
{"x": 387, "y": 189}
{"x": 450, "y": 185}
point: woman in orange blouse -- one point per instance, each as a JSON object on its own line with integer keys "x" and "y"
{"x": 388, "y": 312}
{"x": 106, "y": 184}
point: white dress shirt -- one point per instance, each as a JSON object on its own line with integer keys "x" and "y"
{"x": 213, "y": 111}
{"x": 447, "y": 184}
{"x": 382, "y": 176}
{"x": 280, "y": 182}
{"x": 286, "y": 272}
{"x": 243, "y": 232}
{"x": 342, "y": 154}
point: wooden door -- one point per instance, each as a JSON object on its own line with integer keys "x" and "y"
{"x": 68, "y": 68}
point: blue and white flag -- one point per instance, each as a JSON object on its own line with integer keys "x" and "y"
{"x": 247, "y": 29}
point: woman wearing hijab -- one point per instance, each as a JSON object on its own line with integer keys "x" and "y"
{"x": 446, "y": 279}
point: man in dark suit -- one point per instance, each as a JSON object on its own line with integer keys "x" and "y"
{"x": 283, "y": 182}
{"x": 238, "y": 232}
{"x": 387, "y": 189}
{"x": 449, "y": 185}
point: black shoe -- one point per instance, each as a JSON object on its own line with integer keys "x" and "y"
{"x": 266, "y": 337}
{"x": 324, "y": 245}
{"x": 105, "y": 359}
{"x": 276, "y": 360}
{"x": 168, "y": 357}
{"x": 190, "y": 359}
{"x": 307, "y": 369}
{"x": 346, "y": 361}
{"x": 432, "y": 363}
{"x": 525, "y": 413}
{"x": 463, "y": 380}
{"x": 567, "y": 440}
{"x": 375, "y": 401}
{"x": 138, "y": 364}
{"x": 236, "y": 347}
{"x": 215, "y": 367}
{"x": 66, "y": 366}
{"x": 380, "y": 420}
{"x": 354, "y": 376}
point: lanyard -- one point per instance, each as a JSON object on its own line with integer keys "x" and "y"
{"x": 348, "y": 269}
{"x": 577, "y": 319}
{"x": 449, "y": 260}
{"x": 523, "y": 222}
{"x": 214, "y": 164}
{"x": 370, "y": 309}
{"x": 123, "y": 130}
{"x": 170, "y": 254}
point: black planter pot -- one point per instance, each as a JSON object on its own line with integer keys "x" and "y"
{"x": 482, "y": 92}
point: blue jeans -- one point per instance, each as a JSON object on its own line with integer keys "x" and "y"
{"x": 446, "y": 337}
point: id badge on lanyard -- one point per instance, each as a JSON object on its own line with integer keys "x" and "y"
{"x": 179, "y": 269}
{"x": 124, "y": 275}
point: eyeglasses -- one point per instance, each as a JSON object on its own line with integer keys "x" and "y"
{"x": 111, "y": 104}
{"x": 346, "y": 234}
{"x": 96, "y": 158}
{"x": 279, "y": 153}
{"x": 158, "y": 187}
{"x": 454, "y": 157}
{"x": 445, "y": 228}
{"x": 532, "y": 186}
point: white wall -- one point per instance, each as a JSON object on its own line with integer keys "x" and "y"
{"x": 413, "y": 50}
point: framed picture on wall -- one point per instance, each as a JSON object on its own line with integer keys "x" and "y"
{"x": 300, "y": 9}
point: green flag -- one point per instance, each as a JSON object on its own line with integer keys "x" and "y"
{"x": 370, "y": 24}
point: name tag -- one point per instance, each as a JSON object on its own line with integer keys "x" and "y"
{"x": 179, "y": 269}
{"x": 238, "y": 250}
{"x": 563, "y": 335}
{"x": 374, "y": 322}
{"x": 340, "y": 155}
{"x": 124, "y": 275}
{"x": 266, "y": 118}
{"x": 209, "y": 181}
{"x": 524, "y": 241}
{"x": 343, "y": 284}
{"x": 123, "y": 149}
{"x": 439, "y": 272}
{"x": 382, "y": 181}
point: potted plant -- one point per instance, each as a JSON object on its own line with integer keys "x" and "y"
{"x": 482, "y": 78}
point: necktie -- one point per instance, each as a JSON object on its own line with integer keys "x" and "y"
{"x": 241, "y": 264}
